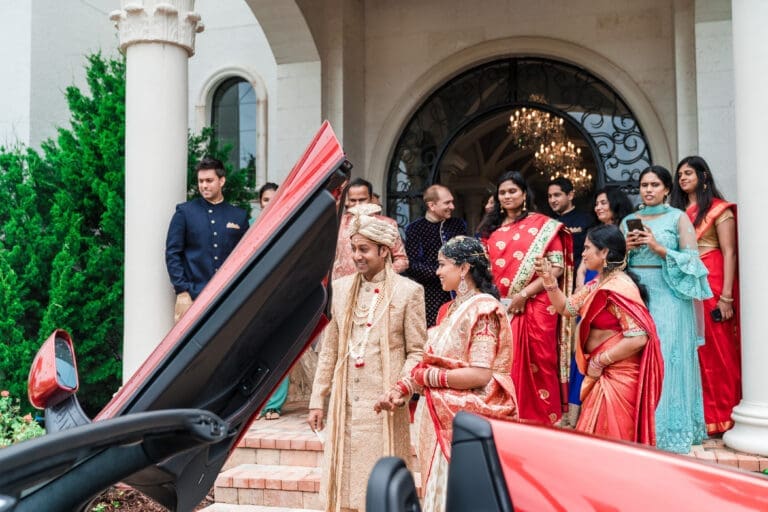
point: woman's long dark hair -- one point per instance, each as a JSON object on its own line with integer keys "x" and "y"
{"x": 466, "y": 249}
{"x": 608, "y": 236}
{"x": 618, "y": 201}
{"x": 706, "y": 190}
{"x": 493, "y": 220}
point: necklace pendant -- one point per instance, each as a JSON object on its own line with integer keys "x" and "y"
{"x": 359, "y": 362}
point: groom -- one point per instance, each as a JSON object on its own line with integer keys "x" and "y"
{"x": 375, "y": 337}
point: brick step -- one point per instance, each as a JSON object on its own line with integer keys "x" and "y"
{"x": 287, "y": 441}
{"x": 284, "y": 441}
{"x": 271, "y": 485}
{"x": 275, "y": 464}
{"x": 228, "y": 507}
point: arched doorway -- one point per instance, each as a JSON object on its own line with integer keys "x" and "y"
{"x": 459, "y": 136}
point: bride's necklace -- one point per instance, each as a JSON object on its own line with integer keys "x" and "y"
{"x": 461, "y": 299}
{"x": 357, "y": 350}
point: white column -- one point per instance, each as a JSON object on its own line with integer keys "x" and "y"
{"x": 157, "y": 38}
{"x": 685, "y": 80}
{"x": 750, "y": 434}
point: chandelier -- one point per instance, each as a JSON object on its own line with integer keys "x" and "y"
{"x": 563, "y": 159}
{"x": 531, "y": 127}
{"x": 557, "y": 156}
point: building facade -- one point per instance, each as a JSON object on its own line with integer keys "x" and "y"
{"x": 419, "y": 92}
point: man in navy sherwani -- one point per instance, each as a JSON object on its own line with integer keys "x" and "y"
{"x": 202, "y": 233}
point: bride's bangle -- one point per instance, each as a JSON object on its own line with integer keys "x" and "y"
{"x": 727, "y": 300}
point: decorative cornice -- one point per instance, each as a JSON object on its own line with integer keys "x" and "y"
{"x": 166, "y": 22}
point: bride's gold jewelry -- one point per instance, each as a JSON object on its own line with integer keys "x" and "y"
{"x": 461, "y": 299}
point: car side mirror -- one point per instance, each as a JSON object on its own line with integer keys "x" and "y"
{"x": 53, "y": 376}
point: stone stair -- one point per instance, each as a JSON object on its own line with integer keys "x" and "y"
{"x": 275, "y": 468}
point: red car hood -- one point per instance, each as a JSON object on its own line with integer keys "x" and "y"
{"x": 548, "y": 469}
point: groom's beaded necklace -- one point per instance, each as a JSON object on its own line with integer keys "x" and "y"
{"x": 357, "y": 350}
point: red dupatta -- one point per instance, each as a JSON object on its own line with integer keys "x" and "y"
{"x": 512, "y": 250}
{"x": 720, "y": 356}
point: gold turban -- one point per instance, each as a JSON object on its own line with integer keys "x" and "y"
{"x": 365, "y": 223}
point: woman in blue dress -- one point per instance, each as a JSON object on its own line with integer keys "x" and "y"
{"x": 664, "y": 254}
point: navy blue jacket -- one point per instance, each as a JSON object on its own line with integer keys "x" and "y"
{"x": 200, "y": 237}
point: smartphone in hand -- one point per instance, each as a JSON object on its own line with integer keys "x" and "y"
{"x": 634, "y": 224}
{"x": 716, "y": 314}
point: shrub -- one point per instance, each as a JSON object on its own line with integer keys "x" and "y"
{"x": 15, "y": 426}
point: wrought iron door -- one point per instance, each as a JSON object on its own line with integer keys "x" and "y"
{"x": 619, "y": 147}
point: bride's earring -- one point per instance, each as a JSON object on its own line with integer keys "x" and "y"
{"x": 463, "y": 288}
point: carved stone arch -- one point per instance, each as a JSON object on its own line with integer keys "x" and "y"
{"x": 298, "y": 100}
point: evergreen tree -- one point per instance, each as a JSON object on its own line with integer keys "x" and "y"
{"x": 86, "y": 287}
{"x": 28, "y": 246}
{"x": 15, "y": 353}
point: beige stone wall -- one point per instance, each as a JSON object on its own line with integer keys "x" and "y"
{"x": 406, "y": 39}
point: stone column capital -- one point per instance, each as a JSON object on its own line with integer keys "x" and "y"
{"x": 171, "y": 21}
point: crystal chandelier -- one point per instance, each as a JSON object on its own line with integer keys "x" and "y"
{"x": 557, "y": 156}
{"x": 563, "y": 159}
{"x": 531, "y": 127}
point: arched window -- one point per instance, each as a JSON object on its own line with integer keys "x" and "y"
{"x": 460, "y": 135}
{"x": 234, "y": 116}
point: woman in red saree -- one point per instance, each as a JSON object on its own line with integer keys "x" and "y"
{"x": 714, "y": 220}
{"x": 466, "y": 365}
{"x": 515, "y": 236}
{"x": 618, "y": 348}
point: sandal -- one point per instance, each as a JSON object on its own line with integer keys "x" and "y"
{"x": 272, "y": 414}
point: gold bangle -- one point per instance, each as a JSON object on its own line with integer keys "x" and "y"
{"x": 727, "y": 300}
